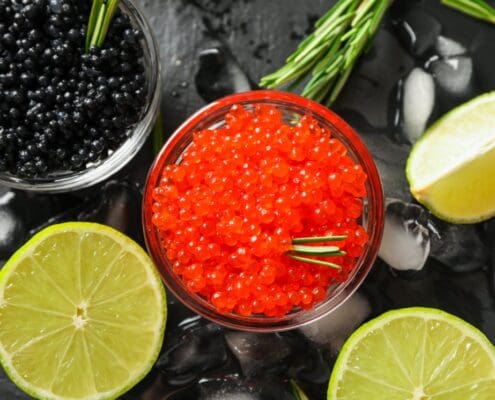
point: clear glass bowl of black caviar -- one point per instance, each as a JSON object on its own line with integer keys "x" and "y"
{"x": 76, "y": 172}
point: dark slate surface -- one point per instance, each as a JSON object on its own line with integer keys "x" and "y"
{"x": 259, "y": 34}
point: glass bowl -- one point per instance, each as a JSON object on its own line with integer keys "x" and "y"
{"x": 292, "y": 106}
{"x": 100, "y": 170}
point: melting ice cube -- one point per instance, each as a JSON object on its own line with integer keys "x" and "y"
{"x": 369, "y": 89}
{"x": 233, "y": 387}
{"x": 259, "y": 352}
{"x": 406, "y": 237}
{"x": 12, "y": 228}
{"x": 418, "y": 102}
{"x": 334, "y": 328}
{"x": 193, "y": 350}
{"x": 447, "y": 47}
{"x": 459, "y": 247}
{"x": 219, "y": 74}
{"x": 418, "y": 31}
{"x": 453, "y": 74}
{"x": 390, "y": 158}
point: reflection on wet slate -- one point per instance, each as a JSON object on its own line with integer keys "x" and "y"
{"x": 214, "y": 48}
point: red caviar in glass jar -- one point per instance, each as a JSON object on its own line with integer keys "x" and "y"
{"x": 228, "y": 212}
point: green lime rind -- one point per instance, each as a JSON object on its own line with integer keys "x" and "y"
{"x": 126, "y": 242}
{"x": 456, "y": 113}
{"x": 378, "y": 322}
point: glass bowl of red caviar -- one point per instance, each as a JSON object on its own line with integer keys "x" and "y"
{"x": 280, "y": 294}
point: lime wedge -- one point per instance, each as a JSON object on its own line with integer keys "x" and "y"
{"x": 82, "y": 313}
{"x": 415, "y": 354}
{"x": 451, "y": 170}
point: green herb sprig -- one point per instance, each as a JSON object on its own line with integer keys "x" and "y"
{"x": 300, "y": 250}
{"x": 100, "y": 17}
{"x": 297, "y": 392}
{"x": 331, "y": 51}
{"x": 476, "y": 8}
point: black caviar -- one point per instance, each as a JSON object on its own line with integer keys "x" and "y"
{"x": 60, "y": 108}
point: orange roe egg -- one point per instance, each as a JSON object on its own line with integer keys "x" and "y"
{"x": 228, "y": 212}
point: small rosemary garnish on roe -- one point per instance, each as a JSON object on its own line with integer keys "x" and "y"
{"x": 102, "y": 12}
{"x": 330, "y": 52}
{"x": 300, "y": 250}
{"x": 476, "y": 8}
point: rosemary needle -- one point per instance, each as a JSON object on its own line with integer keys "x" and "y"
{"x": 314, "y": 261}
{"x": 476, "y": 8}
{"x": 100, "y": 17}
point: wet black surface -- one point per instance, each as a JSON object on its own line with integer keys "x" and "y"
{"x": 210, "y": 48}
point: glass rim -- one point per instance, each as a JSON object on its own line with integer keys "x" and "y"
{"x": 375, "y": 215}
{"x": 128, "y": 149}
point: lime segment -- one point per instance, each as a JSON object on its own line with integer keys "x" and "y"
{"x": 82, "y": 313}
{"x": 451, "y": 170}
{"x": 415, "y": 354}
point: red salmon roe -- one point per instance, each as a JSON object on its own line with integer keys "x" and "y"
{"x": 227, "y": 213}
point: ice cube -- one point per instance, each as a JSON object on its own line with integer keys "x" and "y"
{"x": 219, "y": 74}
{"x": 390, "y": 159}
{"x": 406, "y": 237}
{"x": 193, "y": 349}
{"x": 368, "y": 90}
{"x": 334, "y": 328}
{"x": 12, "y": 228}
{"x": 281, "y": 354}
{"x": 418, "y": 31}
{"x": 229, "y": 395}
{"x": 258, "y": 353}
{"x": 459, "y": 247}
{"x": 417, "y": 103}
{"x": 466, "y": 295}
{"x": 447, "y": 47}
{"x": 234, "y": 387}
{"x": 453, "y": 74}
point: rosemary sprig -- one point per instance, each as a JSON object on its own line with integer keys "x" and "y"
{"x": 300, "y": 251}
{"x": 100, "y": 17}
{"x": 476, "y": 8}
{"x": 331, "y": 51}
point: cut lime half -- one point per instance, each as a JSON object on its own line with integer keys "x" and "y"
{"x": 82, "y": 313}
{"x": 451, "y": 169}
{"x": 415, "y": 354}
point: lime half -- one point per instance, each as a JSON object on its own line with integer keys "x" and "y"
{"x": 451, "y": 170}
{"x": 82, "y": 313}
{"x": 415, "y": 354}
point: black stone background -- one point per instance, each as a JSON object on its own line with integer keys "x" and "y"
{"x": 260, "y": 34}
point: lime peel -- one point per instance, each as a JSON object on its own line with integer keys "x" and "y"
{"x": 451, "y": 169}
{"x": 403, "y": 383}
{"x": 75, "y": 320}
